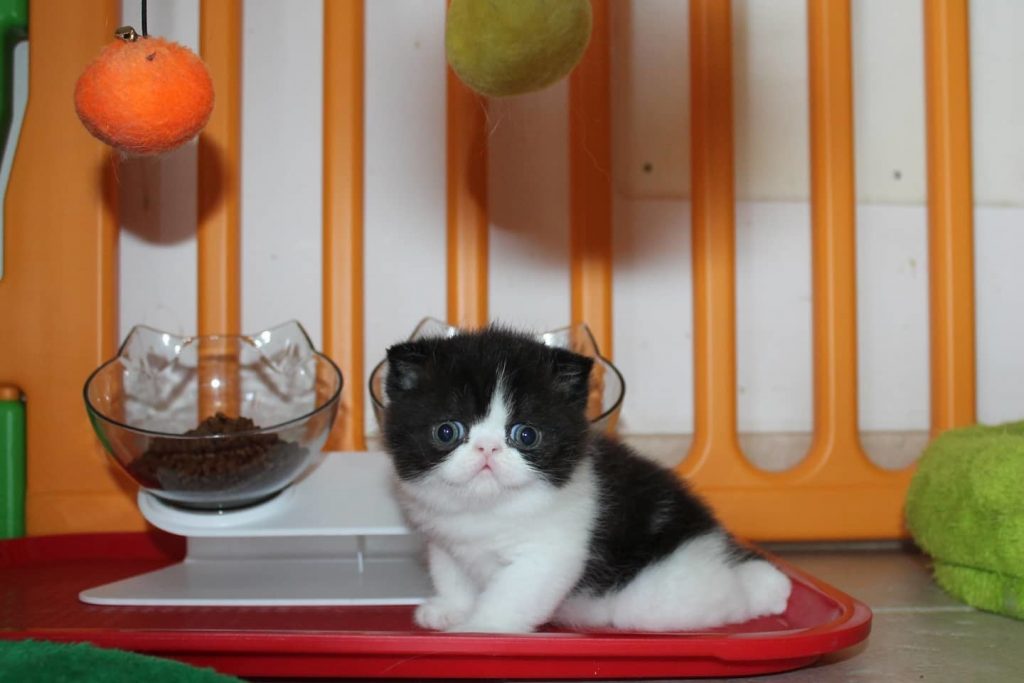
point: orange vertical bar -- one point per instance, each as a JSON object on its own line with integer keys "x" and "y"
{"x": 343, "y": 210}
{"x": 590, "y": 189}
{"x": 219, "y": 167}
{"x": 836, "y": 492}
{"x": 833, "y": 232}
{"x": 58, "y": 293}
{"x": 714, "y": 241}
{"x": 220, "y": 42}
{"x": 467, "y": 205}
{"x": 950, "y": 206}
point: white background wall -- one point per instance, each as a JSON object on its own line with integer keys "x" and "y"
{"x": 405, "y": 200}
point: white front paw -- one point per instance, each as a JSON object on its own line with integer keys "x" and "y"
{"x": 439, "y": 614}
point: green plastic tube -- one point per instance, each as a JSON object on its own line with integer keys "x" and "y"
{"x": 12, "y": 464}
{"x": 13, "y": 28}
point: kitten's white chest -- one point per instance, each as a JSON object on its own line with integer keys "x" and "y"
{"x": 529, "y": 524}
{"x": 482, "y": 544}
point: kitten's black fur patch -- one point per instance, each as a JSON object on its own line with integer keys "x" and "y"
{"x": 644, "y": 511}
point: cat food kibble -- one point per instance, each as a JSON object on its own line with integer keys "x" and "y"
{"x": 231, "y": 463}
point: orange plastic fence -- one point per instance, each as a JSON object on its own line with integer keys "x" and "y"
{"x": 60, "y": 282}
{"x": 59, "y": 290}
{"x": 220, "y": 147}
{"x": 835, "y": 491}
{"x": 715, "y": 443}
{"x": 590, "y": 188}
{"x": 950, "y": 207}
{"x": 467, "y": 205}
{"x": 218, "y": 205}
{"x": 343, "y": 212}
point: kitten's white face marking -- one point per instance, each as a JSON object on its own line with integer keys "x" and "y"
{"x": 485, "y": 464}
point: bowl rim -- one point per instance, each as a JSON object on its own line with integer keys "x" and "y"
{"x": 197, "y": 337}
{"x": 379, "y": 406}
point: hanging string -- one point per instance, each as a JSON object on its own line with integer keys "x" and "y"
{"x": 145, "y": 23}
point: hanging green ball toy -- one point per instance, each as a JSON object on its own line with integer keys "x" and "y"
{"x": 510, "y": 47}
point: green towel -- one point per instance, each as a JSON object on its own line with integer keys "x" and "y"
{"x": 965, "y": 508}
{"x": 27, "y": 661}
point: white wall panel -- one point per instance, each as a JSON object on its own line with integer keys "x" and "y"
{"x": 888, "y": 100}
{"x": 405, "y": 171}
{"x": 770, "y": 99}
{"x": 158, "y": 206}
{"x": 282, "y": 131}
{"x": 651, "y": 106}
{"x": 653, "y": 315}
{"x": 1000, "y": 313}
{"x": 892, "y": 320}
{"x": 528, "y": 188}
{"x": 997, "y": 89}
{"x": 773, "y": 311}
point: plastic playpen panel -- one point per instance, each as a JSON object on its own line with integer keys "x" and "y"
{"x": 61, "y": 244}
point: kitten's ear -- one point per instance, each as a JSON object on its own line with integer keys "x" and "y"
{"x": 572, "y": 375}
{"x": 406, "y": 367}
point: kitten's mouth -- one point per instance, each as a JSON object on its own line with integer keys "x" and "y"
{"x": 487, "y": 473}
{"x": 485, "y": 481}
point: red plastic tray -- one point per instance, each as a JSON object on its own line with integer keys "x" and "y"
{"x": 40, "y": 579}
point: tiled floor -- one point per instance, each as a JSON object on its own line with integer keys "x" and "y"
{"x": 919, "y": 633}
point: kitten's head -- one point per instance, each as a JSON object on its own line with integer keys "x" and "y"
{"x": 483, "y": 413}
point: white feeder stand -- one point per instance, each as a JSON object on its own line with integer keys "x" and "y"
{"x": 336, "y": 537}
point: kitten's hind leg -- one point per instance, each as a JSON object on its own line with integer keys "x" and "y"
{"x": 585, "y": 611}
{"x": 456, "y": 592}
{"x": 767, "y": 588}
{"x": 701, "y": 585}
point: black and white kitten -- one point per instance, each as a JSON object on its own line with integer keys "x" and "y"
{"x": 530, "y": 516}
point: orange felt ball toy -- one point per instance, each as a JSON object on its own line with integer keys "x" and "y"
{"x": 144, "y": 95}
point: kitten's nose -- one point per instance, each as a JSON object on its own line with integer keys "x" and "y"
{"x": 488, "y": 447}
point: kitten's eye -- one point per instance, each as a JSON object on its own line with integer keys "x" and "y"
{"x": 449, "y": 433}
{"x": 524, "y": 436}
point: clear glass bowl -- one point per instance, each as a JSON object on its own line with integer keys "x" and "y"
{"x": 263, "y": 405}
{"x": 607, "y": 387}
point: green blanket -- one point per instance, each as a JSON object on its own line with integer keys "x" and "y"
{"x": 965, "y": 508}
{"x": 27, "y": 661}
